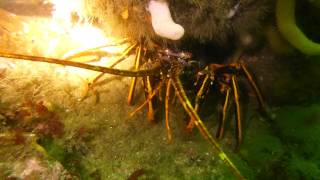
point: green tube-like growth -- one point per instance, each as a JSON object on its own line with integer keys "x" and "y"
{"x": 315, "y": 3}
{"x": 285, "y": 14}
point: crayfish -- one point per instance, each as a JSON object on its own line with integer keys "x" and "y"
{"x": 163, "y": 67}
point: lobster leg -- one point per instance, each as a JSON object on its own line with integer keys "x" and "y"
{"x": 254, "y": 86}
{"x": 169, "y": 131}
{"x": 149, "y": 90}
{"x": 224, "y": 114}
{"x": 198, "y": 122}
{"x": 148, "y": 100}
{"x": 199, "y": 96}
{"x": 238, "y": 111}
{"x": 134, "y": 79}
{"x": 94, "y": 52}
{"x": 120, "y": 59}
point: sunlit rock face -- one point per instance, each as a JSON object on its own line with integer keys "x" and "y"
{"x": 126, "y": 17}
{"x": 203, "y": 20}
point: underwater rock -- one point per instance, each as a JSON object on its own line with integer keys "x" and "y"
{"x": 26, "y": 159}
{"x": 221, "y": 20}
{"x": 27, "y": 8}
{"x": 284, "y": 79}
{"x": 298, "y": 128}
{"x": 202, "y": 20}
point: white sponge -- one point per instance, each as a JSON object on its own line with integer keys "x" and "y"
{"x": 162, "y": 22}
